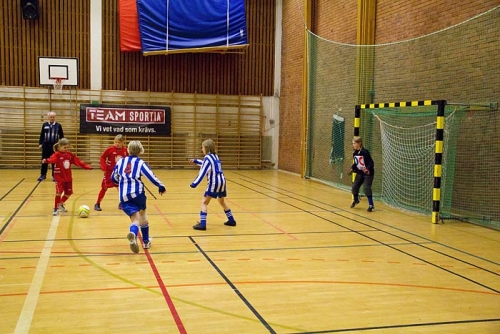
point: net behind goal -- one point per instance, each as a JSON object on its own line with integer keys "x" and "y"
{"x": 431, "y": 162}
{"x": 455, "y": 63}
{"x": 411, "y": 143}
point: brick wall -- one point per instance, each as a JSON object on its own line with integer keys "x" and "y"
{"x": 400, "y": 20}
{"x": 332, "y": 20}
{"x": 414, "y": 78}
{"x": 335, "y": 20}
{"x": 460, "y": 65}
{"x": 291, "y": 90}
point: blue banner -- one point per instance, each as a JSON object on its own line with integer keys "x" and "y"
{"x": 167, "y": 25}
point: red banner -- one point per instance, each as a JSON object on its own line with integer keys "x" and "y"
{"x": 130, "y": 39}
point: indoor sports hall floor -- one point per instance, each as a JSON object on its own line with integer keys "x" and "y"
{"x": 298, "y": 261}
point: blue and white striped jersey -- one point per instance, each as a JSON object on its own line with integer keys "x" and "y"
{"x": 127, "y": 174}
{"x": 212, "y": 167}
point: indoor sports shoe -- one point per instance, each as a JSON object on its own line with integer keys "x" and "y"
{"x": 370, "y": 208}
{"x": 147, "y": 245}
{"x": 132, "y": 238}
{"x": 119, "y": 206}
{"x": 97, "y": 207}
{"x": 62, "y": 208}
{"x": 55, "y": 212}
{"x": 42, "y": 177}
{"x": 230, "y": 223}
{"x": 353, "y": 204}
{"x": 200, "y": 227}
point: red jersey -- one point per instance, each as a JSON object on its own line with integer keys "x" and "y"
{"x": 63, "y": 162}
{"x": 111, "y": 156}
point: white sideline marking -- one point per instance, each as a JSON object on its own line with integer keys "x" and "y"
{"x": 26, "y": 316}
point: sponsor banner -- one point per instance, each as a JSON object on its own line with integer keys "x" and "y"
{"x": 125, "y": 119}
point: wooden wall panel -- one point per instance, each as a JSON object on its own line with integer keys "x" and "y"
{"x": 63, "y": 30}
{"x": 247, "y": 73}
{"x": 233, "y": 122}
{"x": 230, "y": 85}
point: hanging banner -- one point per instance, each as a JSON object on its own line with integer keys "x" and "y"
{"x": 125, "y": 119}
{"x": 191, "y": 26}
{"x": 128, "y": 19}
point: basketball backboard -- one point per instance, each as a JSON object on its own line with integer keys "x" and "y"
{"x": 51, "y": 68}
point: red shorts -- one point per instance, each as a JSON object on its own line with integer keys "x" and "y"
{"x": 64, "y": 187}
{"x": 107, "y": 183}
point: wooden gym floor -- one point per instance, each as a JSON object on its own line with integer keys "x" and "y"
{"x": 299, "y": 261}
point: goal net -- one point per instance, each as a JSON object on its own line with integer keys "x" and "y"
{"x": 457, "y": 63}
{"x": 403, "y": 142}
{"x": 475, "y": 195}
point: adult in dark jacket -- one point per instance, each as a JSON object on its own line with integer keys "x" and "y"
{"x": 49, "y": 135}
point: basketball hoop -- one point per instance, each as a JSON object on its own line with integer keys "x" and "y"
{"x": 58, "y": 84}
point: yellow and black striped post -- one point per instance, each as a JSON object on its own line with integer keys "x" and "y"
{"x": 357, "y": 120}
{"x": 438, "y": 159}
{"x": 357, "y": 124}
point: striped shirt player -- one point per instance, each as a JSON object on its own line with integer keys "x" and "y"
{"x": 49, "y": 135}
{"x": 127, "y": 175}
{"x": 211, "y": 167}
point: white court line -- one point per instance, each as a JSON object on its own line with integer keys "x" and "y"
{"x": 26, "y": 316}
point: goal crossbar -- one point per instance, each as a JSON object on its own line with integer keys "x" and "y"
{"x": 438, "y": 155}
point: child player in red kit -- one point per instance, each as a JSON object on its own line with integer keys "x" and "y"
{"x": 62, "y": 160}
{"x": 109, "y": 158}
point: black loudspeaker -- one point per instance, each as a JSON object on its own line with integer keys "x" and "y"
{"x": 30, "y": 9}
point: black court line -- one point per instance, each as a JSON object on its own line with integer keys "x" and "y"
{"x": 235, "y": 289}
{"x": 18, "y": 208}
{"x": 309, "y": 212}
{"x": 149, "y": 191}
{"x": 373, "y": 220}
{"x": 403, "y": 326}
{"x": 373, "y": 239}
{"x": 11, "y": 189}
{"x": 97, "y": 254}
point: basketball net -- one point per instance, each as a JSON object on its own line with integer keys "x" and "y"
{"x": 58, "y": 84}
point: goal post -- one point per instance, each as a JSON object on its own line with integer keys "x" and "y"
{"x": 438, "y": 170}
{"x": 412, "y": 143}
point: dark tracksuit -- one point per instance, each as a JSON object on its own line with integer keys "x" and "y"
{"x": 49, "y": 135}
{"x": 362, "y": 160}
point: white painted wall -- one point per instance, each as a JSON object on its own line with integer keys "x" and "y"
{"x": 274, "y": 113}
{"x": 95, "y": 44}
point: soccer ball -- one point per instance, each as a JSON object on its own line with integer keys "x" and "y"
{"x": 83, "y": 211}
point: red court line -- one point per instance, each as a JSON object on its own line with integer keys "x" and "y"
{"x": 7, "y": 230}
{"x": 165, "y": 293}
{"x": 163, "y": 216}
{"x": 265, "y": 221}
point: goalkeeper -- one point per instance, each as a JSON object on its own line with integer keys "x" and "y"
{"x": 364, "y": 167}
